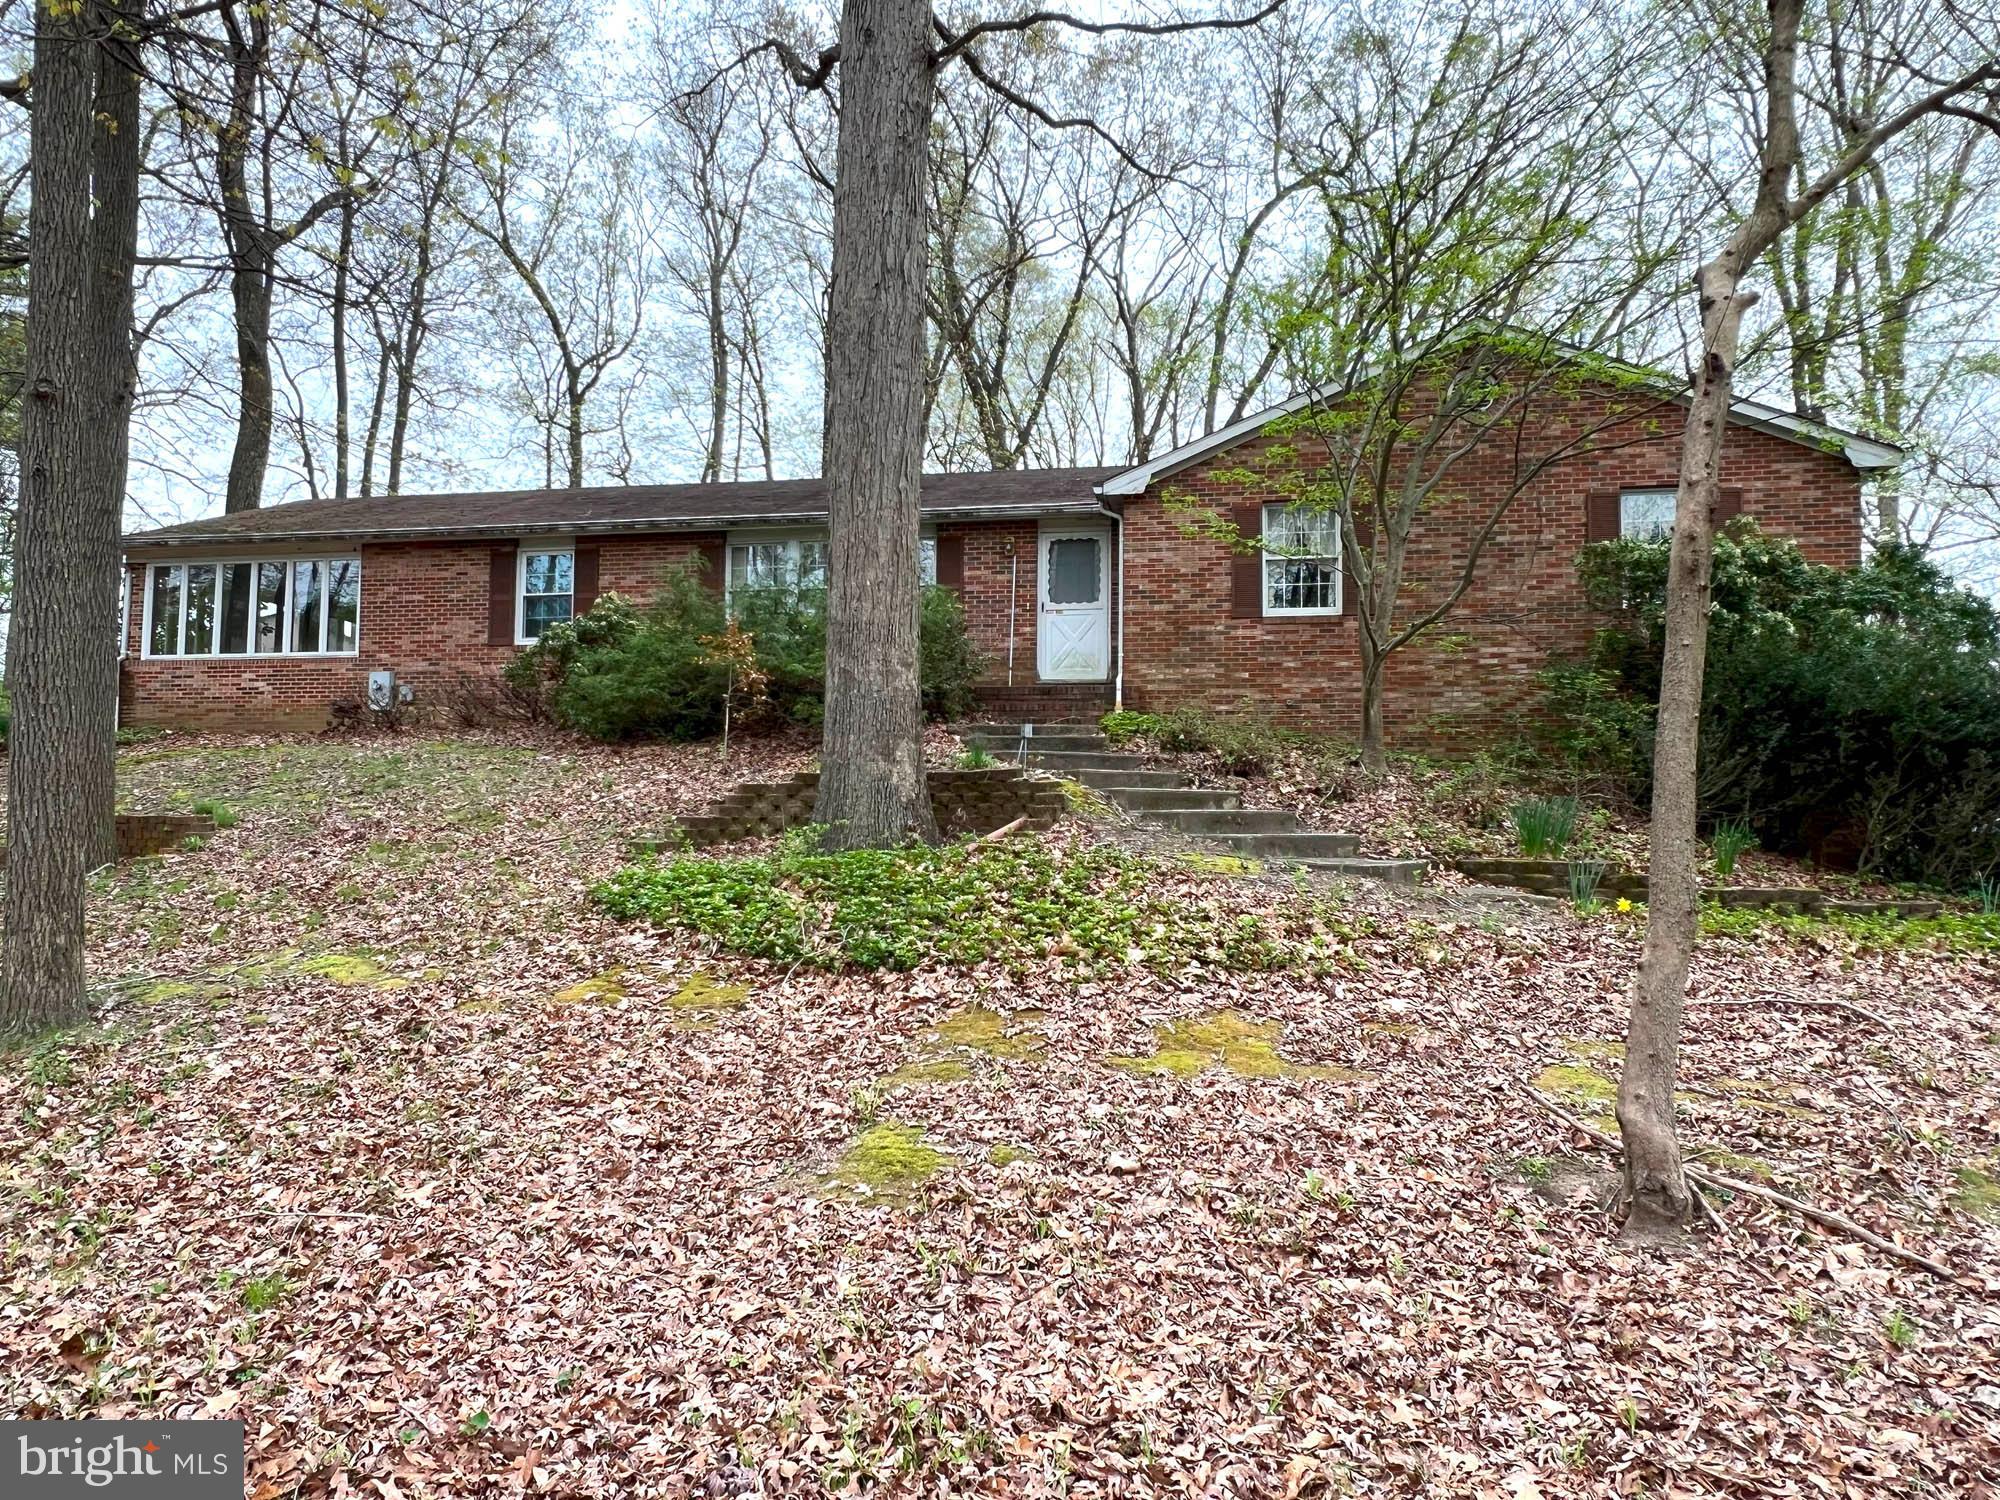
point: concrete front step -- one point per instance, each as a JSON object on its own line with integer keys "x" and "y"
{"x": 1009, "y": 744}
{"x": 1152, "y": 799}
{"x": 1390, "y": 871}
{"x": 1104, "y": 781}
{"x": 1069, "y": 762}
{"x": 1299, "y": 847}
{"x": 1204, "y": 823}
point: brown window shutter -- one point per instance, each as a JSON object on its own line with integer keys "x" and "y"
{"x": 951, "y": 561}
{"x": 1246, "y": 569}
{"x": 1600, "y": 516}
{"x": 714, "y": 555}
{"x": 1728, "y": 506}
{"x": 583, "y": 581}
{"x": 500, "y": 597}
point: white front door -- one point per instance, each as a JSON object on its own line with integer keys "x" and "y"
{"x": 1073, "y": 643}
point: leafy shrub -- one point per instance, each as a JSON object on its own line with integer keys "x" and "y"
{"x": 1853, "y": 716}
{"x": 1015, "y": 902}
{"x": 975, "y": 758}
{"x": 622, "y": 672}
{"x": 1545, "y": 825}
{"x": 1731, "y": 840}
{"x": 222, "y": 813}
{"x": 1123, "y": 725}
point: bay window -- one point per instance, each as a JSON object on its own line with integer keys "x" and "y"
{"x": 279, "y": 607}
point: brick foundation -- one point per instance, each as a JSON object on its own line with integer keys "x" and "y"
{"x": 140, "y": 835}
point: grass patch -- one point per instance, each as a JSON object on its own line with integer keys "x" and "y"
{"x": 1949, "y": 931}
{"x": 1013, "y": 903}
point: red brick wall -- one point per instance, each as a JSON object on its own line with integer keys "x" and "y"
{"x": 1476, "y": 669}
{"x": 423, "y": 616}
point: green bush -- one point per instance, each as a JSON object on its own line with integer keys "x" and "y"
{"x": 1243, "y": 745}
{"x": 1850, "y": 715}
{"x": 622, "y": 672}
{"x": 1016, "y": 903}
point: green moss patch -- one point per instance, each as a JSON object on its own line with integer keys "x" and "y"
{"x": 1221, "y": 864}
{"x": 1228, "y": 1040}
{"x": 607, "y": 988}
{"x": 1768, "y": 1094}
{"x": 1004, "y": 1155}
{"x": 700, "y": 992}
{"x": 1009, "y": 1036}
{"x": 1978, "y": 1193}
{"x": 925, "y": 1070}
{"x": 888, "y": 1160}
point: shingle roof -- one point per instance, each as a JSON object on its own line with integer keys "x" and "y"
{"x": 615, "y": 508}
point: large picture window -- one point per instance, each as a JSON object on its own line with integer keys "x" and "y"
{"x": 305, "y": 606}
{"x": 548, "y": 592}
{"x": 1301, "y": 561}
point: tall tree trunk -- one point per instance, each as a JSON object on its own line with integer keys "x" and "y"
{"x": 83, "y": 235}
{"x": 574, "y": 427}
{"x": 250, "y": 296}
{"x": 342, "y": 399}
{"x": 872, "y": 792}
{"x": 718, "y": 377}
{"x": 249, "y": 274}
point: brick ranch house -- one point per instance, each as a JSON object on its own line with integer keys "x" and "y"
{"x": 1084, "y": 587}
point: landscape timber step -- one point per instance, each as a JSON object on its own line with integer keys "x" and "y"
{"x": 1389, "y": 871}
{"x": 1206, "y": 823}
{"x": 1299, "y": 848}
{"x": 1105, "y": 781}
{"x": 1149, "y": 799}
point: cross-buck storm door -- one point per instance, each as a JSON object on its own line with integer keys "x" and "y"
{"x": 1073, "y": 641}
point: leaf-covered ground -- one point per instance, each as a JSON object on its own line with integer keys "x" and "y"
{"x": 446, "y": 1183}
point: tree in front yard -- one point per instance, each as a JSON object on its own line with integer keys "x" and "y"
{"x": 1951, "y": 65}
{"x": 75, "y": 414}
{"x": 1443, "y": 337}
{"x": 872, "y": 791}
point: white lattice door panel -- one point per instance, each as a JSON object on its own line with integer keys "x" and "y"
{"x": 1073, "y": 641}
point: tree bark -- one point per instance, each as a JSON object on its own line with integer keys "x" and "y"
{"x": 1655, "y": 1185}
{"x": 872, "y": 792}
{"x": 249, "y": 274}
{"x": 63, "y": 653}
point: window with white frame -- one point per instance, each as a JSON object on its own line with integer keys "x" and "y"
{"x": 547, "y": 591}
{"x": 1301, "y": 560}
{"x": 1646, "y": 515}
{"x": 296, "y": 606}
{"x": 797, "y": 564}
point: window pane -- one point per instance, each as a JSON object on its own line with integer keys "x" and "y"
{"x": 539, "y": 611}
{"x": 305, "y": 606}
{"x": 548, "y": 572}
{"x": 200, "y": 606}
{"x": 812, "y": 565}
{"x": 1646, "y": 515}
{"x": 343, "y": 609}
{"x": 236, "y": 594}
{"x": 1301, "y": 530}
{"x": 167, "y": 610}
{"x": 1073, "y": 570}
{"x": 927, "y": 560}
{"x": 1301, "y": 582}
{"x": 271, "y": 606}
{"x": 739, "y": 566}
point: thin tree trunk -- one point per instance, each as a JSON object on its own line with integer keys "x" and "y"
{"x": 1654, "y": 1182}
{"x": 575, "y": 426}
{"x": 249, "y": 276}
{"x": 83, "y": 229}
{"x": 872, "y": 792}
